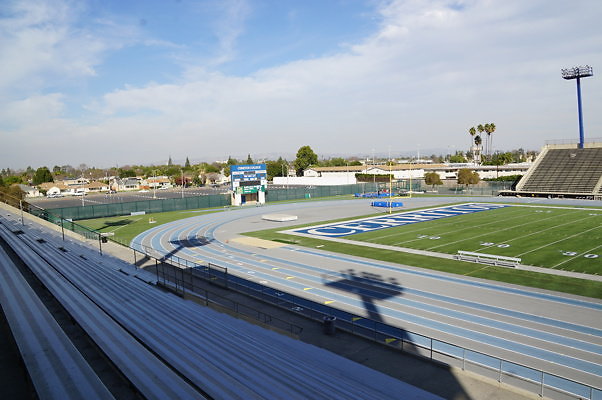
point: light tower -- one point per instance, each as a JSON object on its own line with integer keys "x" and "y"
{"x": 578, "y": 73}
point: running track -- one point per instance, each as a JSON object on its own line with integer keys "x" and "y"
{"x": 560, "y": 334}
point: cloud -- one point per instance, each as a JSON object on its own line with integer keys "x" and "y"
{"x": 229, "y": 27}
{"x": 428, "y": 72}
{"x": 44, "y": 44}
{"x": 43, "y": 107}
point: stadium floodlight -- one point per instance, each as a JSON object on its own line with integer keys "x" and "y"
{"x": 578, "y": 73}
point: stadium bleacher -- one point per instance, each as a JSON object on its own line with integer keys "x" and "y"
{"x": 564, "y": 171}
{"x": 169, "y": 348}
{"x": 56, "y": 368}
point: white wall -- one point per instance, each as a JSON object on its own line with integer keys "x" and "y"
{"x": 330, "y": 179}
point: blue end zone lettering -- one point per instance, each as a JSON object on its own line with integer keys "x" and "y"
{"x": 411, "y": 217}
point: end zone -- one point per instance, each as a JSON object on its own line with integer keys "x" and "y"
{"x": 351, "y": 227}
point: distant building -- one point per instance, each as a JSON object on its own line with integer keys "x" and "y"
{"x": 29, "y": 191}
{"x": 53, "y": 188}
{"x": 157, "y": 182}
{"x": 125, "y": 184}
{"x": 346, "y": 175}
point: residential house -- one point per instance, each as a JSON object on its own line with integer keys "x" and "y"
{"x": 125, "y": 184}
{"x": 52, "y": 188}
{"x": 96, "y": 186}
{"x": 157, "y": 182}
{"x": 29, "y": 191}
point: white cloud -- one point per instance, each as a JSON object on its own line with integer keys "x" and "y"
{"x": 229, "y": 27}
{"x": 431, "y": 70}
{"x": 43, "y": 45}
{"x": 43, "y": 107}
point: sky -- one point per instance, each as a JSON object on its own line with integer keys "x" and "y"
{"x": 111, "y": 82}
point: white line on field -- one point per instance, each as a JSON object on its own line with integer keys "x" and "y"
{"x": 489, "y": 233}
{"x": 456, "y": 231}
{"x": 121, "y": 226}
{"x": 539, "y": 232}
{"x": 560, "y": 240}
{"x": 569, "y": 258}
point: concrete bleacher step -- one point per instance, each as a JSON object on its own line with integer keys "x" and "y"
{"x": 147, "y": 373}
{"x": 236, "y": 356}
{"x": 42, "y": 343}
{"x": 565, "y": 171}
{"x": 228, "y": 358}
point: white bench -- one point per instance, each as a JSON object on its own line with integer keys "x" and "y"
{"x": 484, "y": 258}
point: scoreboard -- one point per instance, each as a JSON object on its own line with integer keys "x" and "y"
{"x": 247, "y": 179}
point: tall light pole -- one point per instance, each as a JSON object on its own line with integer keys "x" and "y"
{"x": 578, "y": 73}
{"x": 82, "y": 188}
{"x": 155, "y": 184}
{"x": 373, "y": 171}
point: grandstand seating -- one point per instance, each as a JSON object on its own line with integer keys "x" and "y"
{"x": 565, "y": 171}
{"x": 56, "y": 368}
{"x": 172, "y": 348}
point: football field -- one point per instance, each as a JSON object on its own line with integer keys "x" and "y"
{"x": 553, "y": 237}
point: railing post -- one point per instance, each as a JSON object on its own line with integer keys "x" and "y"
{"x": 542, "y": 385}
{"x": 500, "y": 376}
{"x": 463, "y": 359}
{"x": 63, "y": 228}
{"x": 135, "y": 265}
{"x": 21, "y": 207}
{"x": 431, "y": 348}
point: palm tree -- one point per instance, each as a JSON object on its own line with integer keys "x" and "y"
{"x": 477, "y": 142}
{"x": 489, "y": 132}
{"x": 472, "y": 131}
{"x": 481, "y": 129}
{"x": 486, "y": 130}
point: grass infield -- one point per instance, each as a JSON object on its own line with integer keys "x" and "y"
{"x": 552, "y": 237}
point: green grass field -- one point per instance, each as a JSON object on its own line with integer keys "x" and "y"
{"x": 125, "y": 228}
{"x": 128, "y": 227}
{"x": 551, "y": 237}
{"x": 539, "y": 236}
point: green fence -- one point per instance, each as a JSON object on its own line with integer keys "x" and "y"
{"x": 305, "y": 192}
{"x": 147, "y": 206}
{"x": 216, "y": 200}
{"x": 273, "y": 194}
{"x": 485, "y": 189}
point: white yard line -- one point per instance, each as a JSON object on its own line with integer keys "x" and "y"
{"x": 121, "y": 226}
{"x": 569, "y": 258}
{"x": 419, "y": 230}
{"x": 561, "y": 240}
{"x": 489, "y": 233}
{"x": 455, "y": 231}
{"x": 539, "y": 232}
